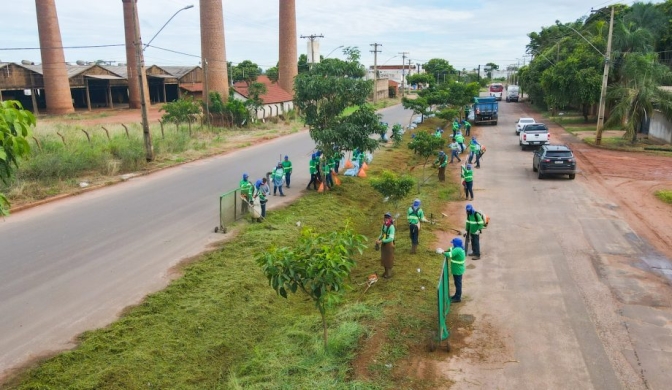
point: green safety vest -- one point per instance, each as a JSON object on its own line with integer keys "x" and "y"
{"x": 263, "y": 192}
{"x": 474, "y": 223}
{"x": 441, "y": 161}
{"x": 467, "y": 125}
{"x": 437, "y": 134}
{"x": 475, "y": 147}
{"x": 287, "y": 166}
{"x": 414, "y": 216}
{"x": 313, "y": 166}
{"x": 246, "y": 188}
{"x": 456, "y": 257}
{"x": 387, "y": 234}
{"x": 278, "y": 173}
{"x": 459, "y": 138}
{"x": 456, "y": 125}
{"x": 467, "y": 175}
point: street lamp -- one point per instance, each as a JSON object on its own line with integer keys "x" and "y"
{"x": 333, "y": 51}
{"x": 140, "y": 59}
{"x": 388, "y": 60}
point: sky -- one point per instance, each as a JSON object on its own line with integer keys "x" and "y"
{"x": 464, "y": 32}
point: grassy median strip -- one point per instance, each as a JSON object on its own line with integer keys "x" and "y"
{"x": 221, "y": 326}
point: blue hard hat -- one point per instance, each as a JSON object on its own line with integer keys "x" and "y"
{"x": 286, "y": 157}
{"x": 468, "y": 166}
{"x": 457, "y": 242}
{"x": 416, "y": 203}
{"x": 245, "y": 176}
{"x": 470, "y": 208}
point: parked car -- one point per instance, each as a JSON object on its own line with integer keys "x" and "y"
{"x": 522, "y": 122}
{"x": 554, "y": 160}
{"x": 535, "y": 134}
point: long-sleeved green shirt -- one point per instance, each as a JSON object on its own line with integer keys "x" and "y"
{"x": 474, "y": 223}
{"x": 467, "y": 174}
{"x": 246, "y": 188}
{"x": 415, "y": 216}
{"x": 387, "y": 234}
{"x": 456, "y": 257}
{"x": 287, "y": 166}
{"x": 441, "y": 161}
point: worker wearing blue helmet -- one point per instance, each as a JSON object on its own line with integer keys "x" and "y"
{"x": 415, "y": 215}
{"x": 455, "y": 255}
{"x": 246, "y": 193}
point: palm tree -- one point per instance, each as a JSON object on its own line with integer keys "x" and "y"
{"x": 638, "y": 93}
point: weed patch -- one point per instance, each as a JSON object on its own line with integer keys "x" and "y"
{"x": 665, "y": 196}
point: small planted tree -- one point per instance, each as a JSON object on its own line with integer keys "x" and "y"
{"x": 254, "y": 101}
{"x": 15, "y": 126}
{"x": 427, "y": 146}
{"x": 393, "y": 187}
{"x": 182, "y": 110}
{"x": 319, "y": 266}
{"x": 396, "y": 135}
{"x": 419, "y": 105}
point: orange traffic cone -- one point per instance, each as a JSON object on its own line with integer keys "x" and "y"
{"x": 337, "y": 181}
{"x": 333, "y": 173}
{"x": 361, "y": 173}
{"x": 365, "y": 166}
{"x": 348, "y": 164}
{"x": 321, "y": 188}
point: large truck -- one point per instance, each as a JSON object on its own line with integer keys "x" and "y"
{"x": 485, "y": 110}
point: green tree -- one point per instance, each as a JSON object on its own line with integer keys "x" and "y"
{"x": 303, "y": 64}
{"x": 439, "y": 68}
{"x": 254, "y": 100}
{"x": 419, "y": 105}
{"x": 272, "y": 73}
{"x": 394, "y": 188}
{"x": 246, "y": 71}
{"x": 426, "y": 146}
{"x": 15, "y": 128}
{"x": 639, "y": 92}
{"x": 234, "y": 111}
{"x": 397, "y": 136}
{"x": 319, "y": 266}
{"x": 490, "y": 67}
{"x": 182, "y": 110}
{"x": 420, "y": 78}
{"x": 322, "y": 95}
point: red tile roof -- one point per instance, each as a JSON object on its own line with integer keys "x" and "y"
{"x": 274, "y": 94}
{"x": 192, "y": 87}
{"x": 392, "y": 83}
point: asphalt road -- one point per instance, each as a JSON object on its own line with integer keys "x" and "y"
{"x": 556, "y": 296}
{"x": 73, "y": 265}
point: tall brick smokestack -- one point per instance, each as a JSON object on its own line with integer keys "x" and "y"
{"x": 56, "y": 83}
{"x": 131, "y": 55}
{"x": 288, "y": 67}
{"x": 213, "y": 49}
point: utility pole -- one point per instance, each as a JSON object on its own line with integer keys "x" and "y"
{"x": 403, "y": 71}
{"x": 605, "y": 80}
{"x": 375, "y": 52}
{"x": 312, "y": 38}
{"x": 479, "y": 73}
{"x": 206, "y": 90}
{"x": 409, "y": 67}
{"x": 149, "y": 148}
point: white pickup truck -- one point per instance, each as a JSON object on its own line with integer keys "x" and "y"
{"x": 535, "y": 134}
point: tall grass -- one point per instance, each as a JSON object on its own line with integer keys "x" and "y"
{"x": 221, "y": 326}
{"x": 62, "y": 155}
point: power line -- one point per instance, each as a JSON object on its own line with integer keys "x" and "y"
{"x": 60, "y": 47}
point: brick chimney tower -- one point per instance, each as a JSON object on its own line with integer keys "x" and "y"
{"x": 288, "y": 67}
{"x": 131, "y": 55}
{"x": 56, "y": 83}
{"x": 213, "y": 49}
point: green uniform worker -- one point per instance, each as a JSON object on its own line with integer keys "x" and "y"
{"x": 441, "y": 162}
{"x": 386, "y": 243}
{"x": 468, "y": 181}
{"x": 415, "y": 215}
{"x": 246, "y": 192}
{"x": 456, "y": 256}
{"x": 459, "y": 138}
{"x": 312, "y": 166}
{"x": 474, "y": 225}
{"x": 287, "y": 166}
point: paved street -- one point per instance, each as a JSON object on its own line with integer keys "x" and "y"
{"x": 562, "y": 297}
{"x": 73, "y": 265}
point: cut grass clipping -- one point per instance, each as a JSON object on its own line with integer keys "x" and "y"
{"x": 221, "y": 326}
{"x": 665, "y": 196}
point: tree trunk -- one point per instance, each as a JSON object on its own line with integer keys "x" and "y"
{"x": 324, "y": 325}
{"x": 585, "y": 112}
